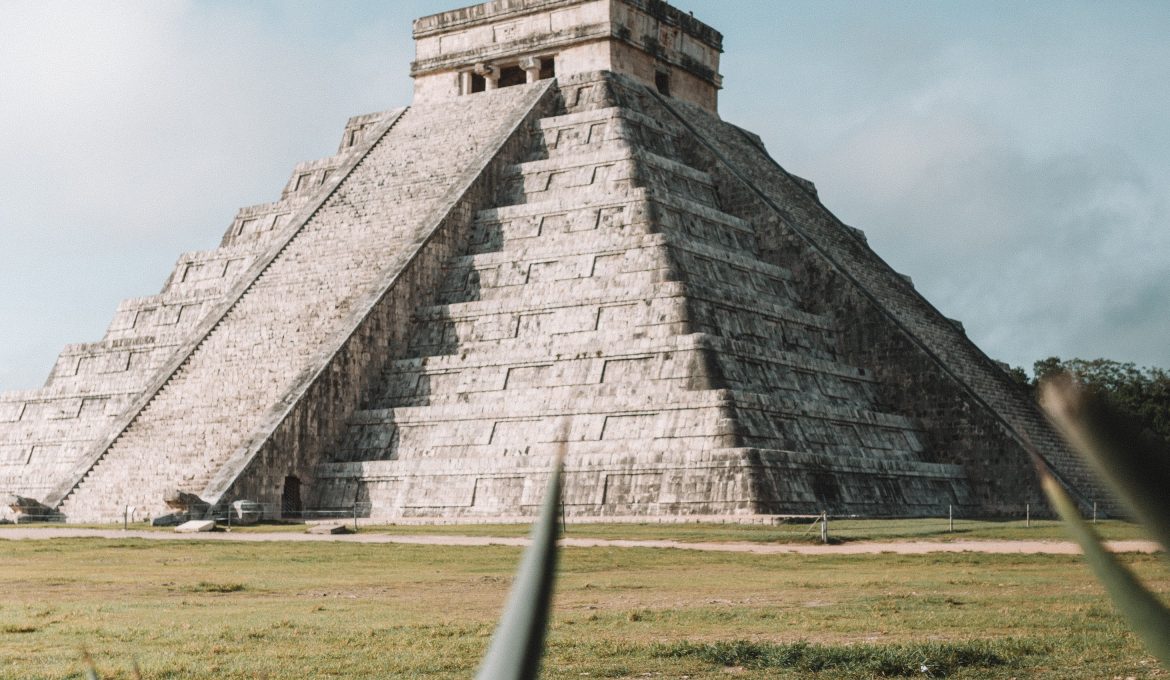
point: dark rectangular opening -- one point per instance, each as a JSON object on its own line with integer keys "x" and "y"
{"x": 548, "y": 68}
{"x": 478, "y": 84}
{"x": 662, "y": 82}
{"x": 512, "y": 75}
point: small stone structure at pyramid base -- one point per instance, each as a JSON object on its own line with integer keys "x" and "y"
{"x": 558, "y": 245}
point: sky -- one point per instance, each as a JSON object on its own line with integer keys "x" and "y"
{"x": 1010, "y": 157}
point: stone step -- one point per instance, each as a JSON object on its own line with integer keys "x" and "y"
{"x": 589, "y": 276}
{"x": 629, "y": 482}
{"x": 633, "y": 210}
{"x": 648, "y": 429}
{"x": 257, "y": 226}
{"x": 686, "y": 360}
{"x": 551, "y": 403}
{"x": 518, "y": 323}
{"x": 447, "y": 430}
{"x": 71, "y": 420}
{"x": 620, "y": 171}
{"x": 570, "y": 307}
{"x": 693, "y": 254}
{"x": 586, "y": 455}
{"x": 504, "y": 342}
{"x": 594, "y": 130}
{"x": 679, "y": 204}
{"x": 556, "y": 403}
{"x": 310, "y": 176}
{"x": 582, "y": 346}
{"x": 566, "y": 244}
{"x": 661, "y": 371}
{"x": 516, "y": 305}
{"x": 546, "y": 274}
{"x": 556, "y": 347}
{"x": 117, "y": 368}
{"x": 173, "y": 312}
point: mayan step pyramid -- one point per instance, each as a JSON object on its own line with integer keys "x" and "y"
{"x": 558, "y": 240}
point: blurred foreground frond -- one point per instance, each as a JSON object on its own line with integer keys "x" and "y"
{"x": 1137, "y": 470}
{"x": 518, "y": 643}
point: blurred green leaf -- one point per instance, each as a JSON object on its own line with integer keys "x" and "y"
{"x": 1134, "y": 465}
{"x": 1149, "y": 618}
{"x": 518, "y": 643}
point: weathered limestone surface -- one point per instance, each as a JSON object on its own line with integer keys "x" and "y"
{"x": 44, "y": 433}
{"x": 411, "y": 326}
{"x": 196, "y": 526}
{"x": 648, "y": 40}
{"x": 924, "y": 361}
{"x": 610, "y": 287}
{"x": 231, "y": 391}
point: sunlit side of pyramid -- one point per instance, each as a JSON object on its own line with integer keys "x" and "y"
{"x": 559, "y": 239}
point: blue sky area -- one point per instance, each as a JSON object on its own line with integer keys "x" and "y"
{"x": 1011, "y": 157}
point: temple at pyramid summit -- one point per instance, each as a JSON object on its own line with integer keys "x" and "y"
{"x": 558, "y": 245}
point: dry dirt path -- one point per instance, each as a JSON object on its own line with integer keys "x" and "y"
{"x": 854, "y": 548}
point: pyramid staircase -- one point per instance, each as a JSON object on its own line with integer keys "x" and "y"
{"x": 259, "y": 323}
{"x": 610, "y": 290}
{"x": 420, "y": 320}
{"x": 45, "y": 433}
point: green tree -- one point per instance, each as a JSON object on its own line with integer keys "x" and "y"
{"x": 1141, "y": 393}
{"x": 1018, "y": 375}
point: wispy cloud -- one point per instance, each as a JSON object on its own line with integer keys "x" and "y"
{"x": 1010, "y": 179}
{"x": 1012, "y": 162}
{"x": 133, "y": 131}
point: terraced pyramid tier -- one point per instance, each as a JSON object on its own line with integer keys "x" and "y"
{"x": 612, "y": 289}
{"x": 414, "y": 324}
{"x": 304, "y": 302}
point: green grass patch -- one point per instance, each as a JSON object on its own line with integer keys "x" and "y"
{"x": 929, "y": 659}
{"x": 345, "y": 610}
{"x": 209, "y": 587}
{"x": 794, "y": 531}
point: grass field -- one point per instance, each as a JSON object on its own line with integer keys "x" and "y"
{"x": 797, "y": 531}
{"x": 336, "y": 610}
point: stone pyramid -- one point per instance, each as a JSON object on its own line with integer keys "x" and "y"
{"x": 559, "y": 240}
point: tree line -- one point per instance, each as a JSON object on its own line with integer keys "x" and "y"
{"x": 1142, "y": 393}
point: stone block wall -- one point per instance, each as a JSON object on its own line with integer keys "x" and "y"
{"x": 93, "y": 384}
{"x": 925, "y": 365}
{"x": 650, "y": 41}
{"x": 418, "y": 317}
{"x": 314, "y": 415}
{"x": 610, "y": 288}
{"x": 258, "y": 358}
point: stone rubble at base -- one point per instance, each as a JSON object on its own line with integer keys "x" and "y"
{"x": 409, "y": 325}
